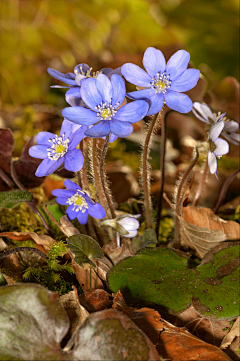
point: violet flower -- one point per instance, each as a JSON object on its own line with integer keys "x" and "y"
{"x": 103, "y": 98}
{"x": 56, "y": 150}
{"x": 163, "y": 82}
{"x": 204, "y": 113}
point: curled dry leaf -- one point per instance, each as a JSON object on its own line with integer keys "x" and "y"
{"x": 75, "y": 311}
{"x": 234, "y": 332}
{"x": 67, "y": 227}
{"x": 87, "y": 277}
{"x": 172, "y": 343}
{"x": 10, "y": 263}
{"x": 97, "y": 300}
{"x": 117, "y": 254}
{"x": 42, "y": 242}
{"x": 202, "y": 230}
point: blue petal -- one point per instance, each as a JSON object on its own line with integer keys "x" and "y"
{"x": 99, "y": 130}
{"x": 81, "y": 68}
{"x": 80, "y": 115}
{"x": 73, "y": 160}
{"x": 71, "y": 185}
{"x": 177, "y": 64}
{"x": 63, "y": 77}
{"x": 66, "y": 129}
{"x": 202, "y": 112}
{"x": 178, "y": 101}
{"x": 71, "y": 213}
{"x": 39, "y": 151}
{"x": 144, "y": 94}
{"x": 106, "y": 71}
{"x": 90, "y": 94}
{"x": 154, "y": 61}
{"x": 82, "y": 217}
{"x": 48, "y": 166}
{"x": 132, "y": 112}
{"x": 96, "y": 210}
{"x": 212, "y": 162}
{"x": 156, "y": 103}
{"x": 62, "y": 193}
{"x": 136, "y": 75}
{"x": 62, "y": 201}
{"x": 73, "y": 96}
{"x": 112, "y": 138}
{"x": 104, "y": 87}
{"x": 121, "y": 129}
{"x": 77, "y": 136}
{"x": 119, "y": 89}
{"x": 113, "y": 71}
{"x": 222, "y": 147}
{"x": 44, "y": 137}
{"x": 186, "y": 81}
{"x": 215, "y": 130}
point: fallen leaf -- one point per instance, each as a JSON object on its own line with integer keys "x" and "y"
{"x": 11, "y": 264}
{"x": 87, "y": 277}
{"x": 234, "y": 332}
{"x": 96, "y": 300}
{"x": 202, "y": 230}
{"x": 173, "y": 343}
{"x": 75, "y": 311}
{"x": 103, "y": 265}
{"x": 67, "y": 227}
{"x": 117, "y": 254}
{"x": 110, "y": 335}
{"x": 42, "y": 242}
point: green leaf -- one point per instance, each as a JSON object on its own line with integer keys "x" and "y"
{"x": 56, "y": 211}
{"x": 3, "y": 281}
{"x": 32, "y": 323}
{"x": 148, "y": 239}
{"x": 84, "y": 248}
{"x": 12, "y": 198}
{"x": 161, "y": 276}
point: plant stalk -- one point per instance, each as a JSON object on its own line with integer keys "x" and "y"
{"x": 18, "y": 249}
{"x": 200, "y": 186}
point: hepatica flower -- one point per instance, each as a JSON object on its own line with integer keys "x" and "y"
{"x": 80, "y": 205}
{"x": 103, "y": 98}
{"x": 204, "y": 113}
{"x": 217, "y": 146}
{"x": 163, "y": 82}
{"x": 76, "y": 79}
{"x": 56, "y": 150}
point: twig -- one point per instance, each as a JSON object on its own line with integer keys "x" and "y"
{"x": 18, "y": 249}
{"x": 225, "y": 186}
{"x": 6, "y": 179}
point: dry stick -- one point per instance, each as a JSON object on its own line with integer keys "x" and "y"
{"x": 179, "y": 196}
{"x": 32, "y": 204}
{"x": 146, "y": 176}
{"x": 6, "y": 179}
{"x": 162, "y": 167}
{"x": 103, "y": 178}
{"x": 200, "y": 187}
{"x": 225, "y": 186}
{"x": 18, "y": 249}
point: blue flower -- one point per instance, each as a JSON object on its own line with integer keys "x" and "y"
{"x": 163, "y": 82}
{"x": 204, "y": 113}
{"x": 55, "y": 150}
{"x": 217, "y": 146}
{"x": 79, "y": 203}
{"x": 103, "y": 98}
{"x": 76, "y": 79}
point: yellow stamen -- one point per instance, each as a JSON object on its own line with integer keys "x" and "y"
{"x": 60, "y": 148}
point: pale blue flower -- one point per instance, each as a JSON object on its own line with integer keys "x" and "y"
{"x": 217, "y": 146}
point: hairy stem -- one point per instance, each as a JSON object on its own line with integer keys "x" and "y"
{"x": 103, "y": 178}
{"x": 162, "y": 167}
{"x": 18, "y": 249}
{"x": 145, "y": 174}
{"x": 32, "y": 204}
{"x": 83, "y": 170}
{"x": 179, "y": 196}
{"x": 225, "y": 186}
{"x": 200, "y": 186}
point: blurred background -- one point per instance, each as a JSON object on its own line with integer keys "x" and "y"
{"x": 38, "y": 34}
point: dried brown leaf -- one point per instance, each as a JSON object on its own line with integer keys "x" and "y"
{"x": 96, "y": 300}
{"x": 67, "y": 227}
{"x": 87, "y": 277}
{"x": 117, "y": 254}
{"x": 234, "y": 332}
{"x": 42, "y": 242}
{"x": 103, "y": 265}
{"x": 202, "y": 230}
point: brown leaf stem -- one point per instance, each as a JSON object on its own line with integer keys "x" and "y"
{"x": 6, "y": 179}
{"x": 200, "y": 186}
{"x": 18, "y": 249}
{"x": 225, "y": 186}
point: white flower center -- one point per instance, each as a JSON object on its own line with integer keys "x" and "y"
{"x": 161, "y": 83}
{"x": 80, "y": 203}
{"x": 80, "y": 74}
{"x": 106, "y": 111}
{"x": 58, "y": 148}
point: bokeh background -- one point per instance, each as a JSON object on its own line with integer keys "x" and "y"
{"x": 37, "y": 34}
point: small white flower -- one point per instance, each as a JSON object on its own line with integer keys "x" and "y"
{"x": 229, "y": 131}
{"x": 217, "y": 146}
